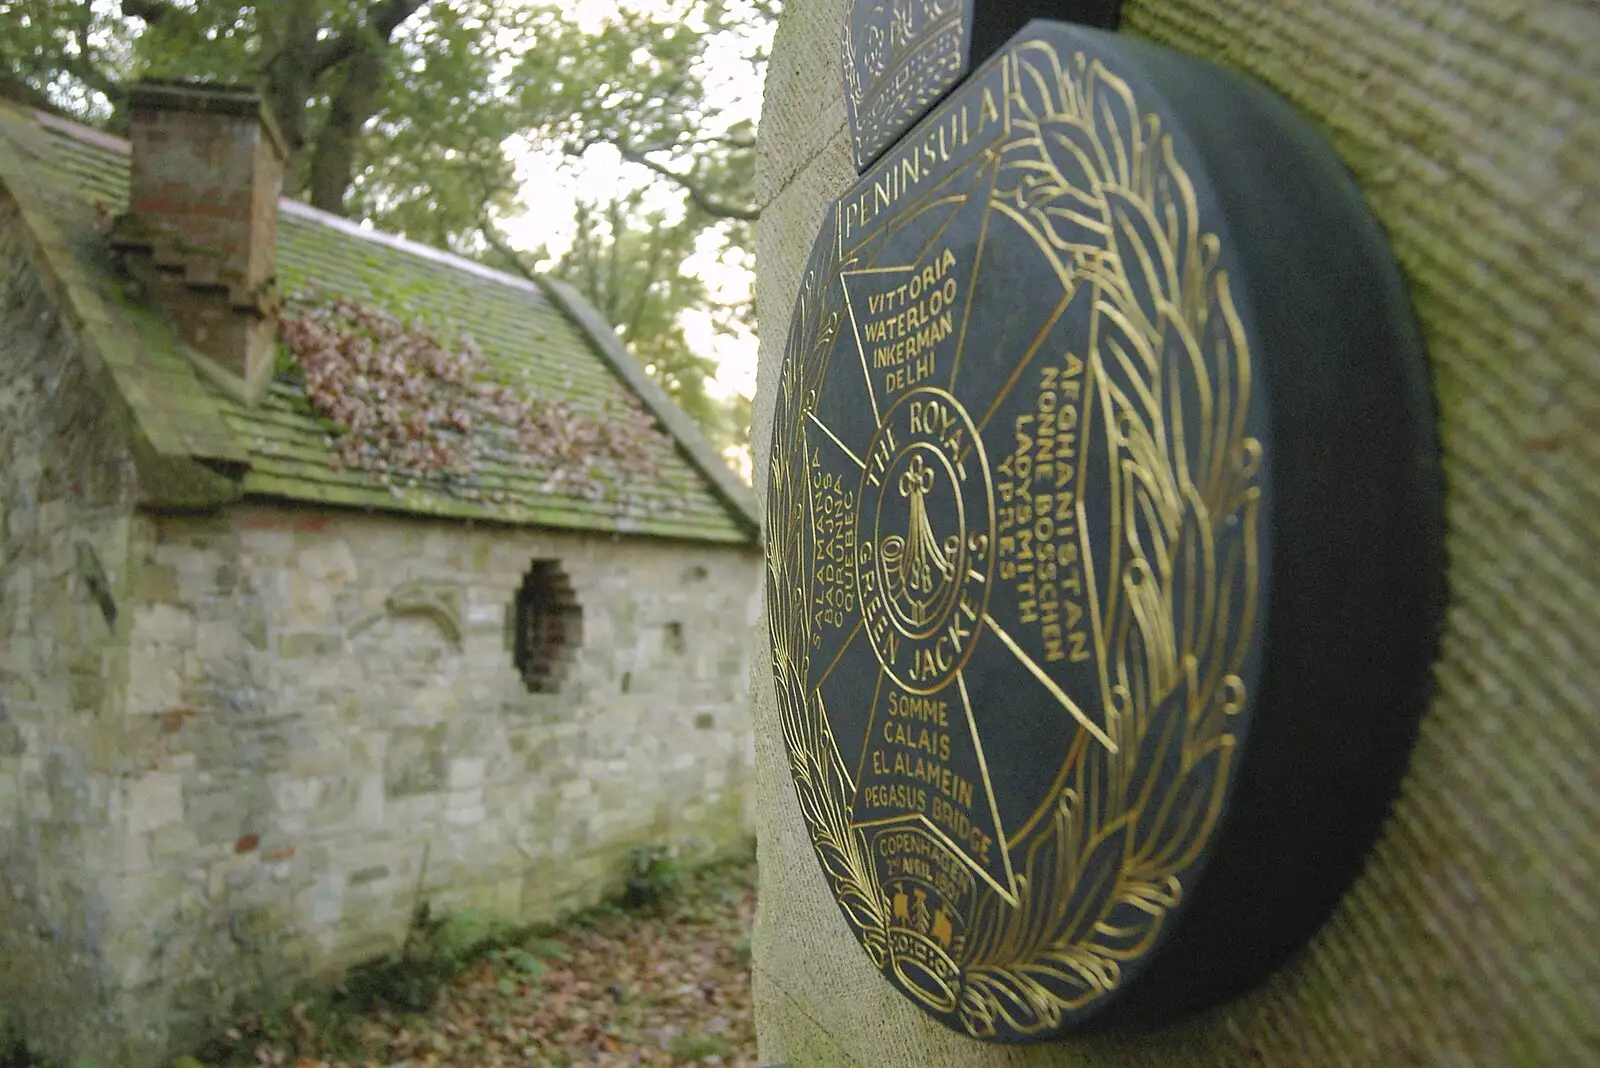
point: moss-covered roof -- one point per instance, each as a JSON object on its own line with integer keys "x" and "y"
{"x": 541, "y": 339}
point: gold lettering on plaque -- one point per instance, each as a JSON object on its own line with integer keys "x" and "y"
{"x": 1091, "y": 536}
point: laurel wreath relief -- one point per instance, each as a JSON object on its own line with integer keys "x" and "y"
{"x": 1098, "y": 188}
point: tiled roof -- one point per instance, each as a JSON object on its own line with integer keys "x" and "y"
{"x": 542, "y": 339}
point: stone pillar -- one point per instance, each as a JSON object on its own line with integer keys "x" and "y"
{"x": 1471, "y": 938}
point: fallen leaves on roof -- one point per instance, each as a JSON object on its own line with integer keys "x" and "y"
{"x": 405, "y": 402}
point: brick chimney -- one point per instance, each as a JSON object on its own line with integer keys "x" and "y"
{"x": 201, "y": 230}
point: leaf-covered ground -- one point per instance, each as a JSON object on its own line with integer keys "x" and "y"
{"x": 667, "y": 986}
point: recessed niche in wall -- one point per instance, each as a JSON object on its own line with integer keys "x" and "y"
{"x": 673, "y": 639}
{"x": 549, "y": 627}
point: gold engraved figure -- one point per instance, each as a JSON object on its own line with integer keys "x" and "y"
{"x": 918, "y": 563}
{"x": 924, "y": 539}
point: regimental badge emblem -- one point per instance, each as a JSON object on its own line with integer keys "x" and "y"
{"x": 1023, "y": 535}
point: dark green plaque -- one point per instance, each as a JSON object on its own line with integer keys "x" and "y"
{"x": 1103, "y": 538}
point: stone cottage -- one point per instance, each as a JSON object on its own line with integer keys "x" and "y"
{"x": 256, "y": 705}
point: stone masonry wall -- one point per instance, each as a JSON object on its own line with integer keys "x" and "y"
{"x": 1472, "y": 939}
{"x": 237, "y": 751}
{"x": 325, "y": 727}
{"x": 66, "y": 487}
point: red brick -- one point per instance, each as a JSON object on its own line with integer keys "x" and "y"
{"x": 172, "y": 722}
{"x": 247, "y": 844}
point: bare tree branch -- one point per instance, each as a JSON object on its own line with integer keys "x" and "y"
{"x": 591, "y": 265}
{"x": 333, "y": 154}
{"x": 613, "y": 289}
{"x": 387, "y": 16}
{"x": 289, "y": 37}
{"x": 382, "y": 19}
{"x": 697, "y": 196}
{"x": 80, "y": 29}
{"x": 82, "y": 67}
{"x": 658, "y": 249}
{"x": 359, "y": 54}
{"x": 683, "y": 144}
{"x": 14, "y": 88}
{"x": 151, "y": 11}
{"x": 497, "y": 241}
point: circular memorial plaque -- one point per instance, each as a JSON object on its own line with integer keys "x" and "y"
{"x": 1104, "y": 533}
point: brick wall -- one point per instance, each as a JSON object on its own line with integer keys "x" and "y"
{"x": 1471, "y": 940}
{"x": 208, "y": 172}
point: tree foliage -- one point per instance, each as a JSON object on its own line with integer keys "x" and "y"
{"x": 321, "y": 64}
{"x": 629, "y": 261}
{"x": 399, "y": 111}
{"x": 409, "y": 113}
